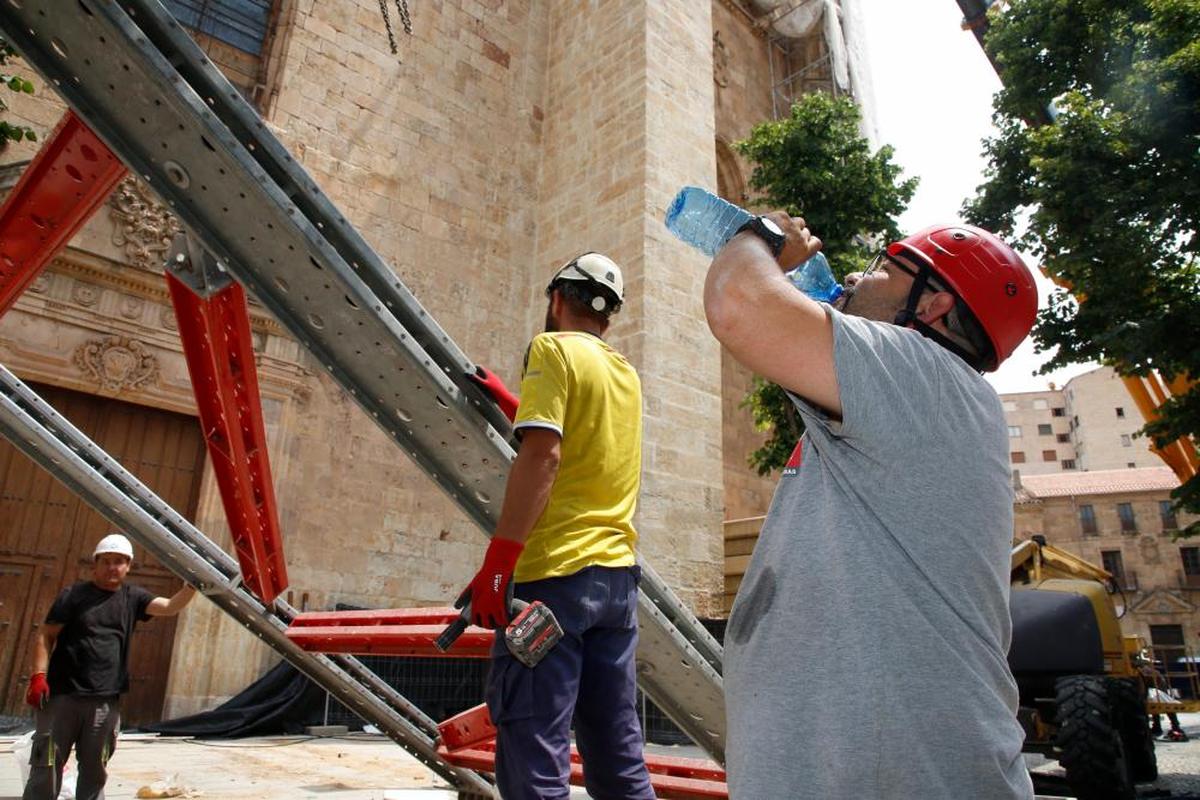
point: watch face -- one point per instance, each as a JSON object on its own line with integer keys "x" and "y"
{"x": 771, "y": 226}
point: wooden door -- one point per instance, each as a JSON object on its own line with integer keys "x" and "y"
{"x": 47, "y": 535}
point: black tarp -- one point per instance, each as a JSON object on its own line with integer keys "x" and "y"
{"x": 281, "y": 701}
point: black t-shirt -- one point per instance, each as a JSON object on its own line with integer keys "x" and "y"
{"x": 92, "y": 650}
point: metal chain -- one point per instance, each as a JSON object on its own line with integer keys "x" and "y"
{"x": 387, "y": 23}
{"x": 405, "y": 17}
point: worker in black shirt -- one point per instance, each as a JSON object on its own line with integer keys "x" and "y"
{"x": 79, "y": 670}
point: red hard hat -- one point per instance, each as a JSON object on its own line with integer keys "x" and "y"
{"x": 985, "y": 273}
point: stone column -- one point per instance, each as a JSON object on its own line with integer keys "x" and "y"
{"x": 629, "y": 120}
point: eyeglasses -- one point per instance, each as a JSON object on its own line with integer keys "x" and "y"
{"x": 883, "y": 258}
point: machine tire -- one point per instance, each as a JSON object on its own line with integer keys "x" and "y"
{"x": 1128, "y": 699}
{"x": 1089, "y": 742}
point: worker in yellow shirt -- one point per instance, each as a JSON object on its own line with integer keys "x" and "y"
{"x": 565, "y": 537}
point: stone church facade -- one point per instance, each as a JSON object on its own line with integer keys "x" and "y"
{"x": 505, "y": 137}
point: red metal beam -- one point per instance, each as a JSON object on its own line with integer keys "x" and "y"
{"x": 391, "y": 632}
{"x": 666, "y": 787}
{"x": 670, "y": 777}
{"x": 220, "y": 357}
{"x": 467, "y": 729}
{"x": 59, "y": 191}
{"x": 468, "y": 740}
{"x": 438, "y": 615}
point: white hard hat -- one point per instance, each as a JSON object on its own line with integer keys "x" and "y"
{"x": 114, "y": 543}
{"x": 600, "y": 273}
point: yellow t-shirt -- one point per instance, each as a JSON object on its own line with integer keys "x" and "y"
{"x": 577, "y": 385}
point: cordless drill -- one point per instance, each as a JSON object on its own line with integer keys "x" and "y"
{"x": 531, "y": 633}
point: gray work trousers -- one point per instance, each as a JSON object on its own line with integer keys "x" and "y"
{"x": 87, "y": 724}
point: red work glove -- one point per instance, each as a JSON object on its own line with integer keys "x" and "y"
{"x": 39, "y": 690}
{"x": 491, "y": 383}
{"x": 488, "y": 592}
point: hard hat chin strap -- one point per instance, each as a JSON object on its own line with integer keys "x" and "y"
{"x": 907, "y": 318}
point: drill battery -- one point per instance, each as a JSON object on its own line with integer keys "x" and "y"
{"x": 532, "y": 632}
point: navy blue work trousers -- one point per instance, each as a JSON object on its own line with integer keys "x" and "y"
{"x": 588, "y": 677}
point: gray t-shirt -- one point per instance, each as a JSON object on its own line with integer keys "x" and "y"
{"x": 866, "y": 653}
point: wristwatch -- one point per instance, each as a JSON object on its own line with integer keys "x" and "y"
{"x": 766, "y": 229}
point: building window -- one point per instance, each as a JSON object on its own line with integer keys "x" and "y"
{"x": 1087, "y": 519}
{"x": 1167, "y": 513}
{"x": 1128, "y": 521}
{"x": 1017, "y": 457}
{"x": 1068, "y": 463}
{"x": 1058, "y": 412}
{"x": 1167, "y": 642}
{"x": 1126, "y": 441}
{"x": 1114, "y": 565}
{"x": 1014, "y": 431}
{"x": 1063, "y": 438}
{"x": 1010, "y": 405}
{"x": 241, "y": 23}
{"x": 1049, "y": 455}
{"x": 1040, "y": 403}
{"x": 1120, "y": 413}
{"x": 1130, "y": 465}
{"x": 1191, "y": 566}
{"x": 1044, "y": 430}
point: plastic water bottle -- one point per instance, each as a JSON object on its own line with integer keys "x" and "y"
{"x": 703, "y": 220}
{"x": 815, "y": 279}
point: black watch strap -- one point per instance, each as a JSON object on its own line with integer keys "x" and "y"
{"x": 768, "y": 231}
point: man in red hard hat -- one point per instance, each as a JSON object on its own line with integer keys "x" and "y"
{"x": 865, "y": 656}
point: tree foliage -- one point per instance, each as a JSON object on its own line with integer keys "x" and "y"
{"x": 816, "y": 164}
{"x": 1108, "y": 181}
{"x": 15, "y": 83}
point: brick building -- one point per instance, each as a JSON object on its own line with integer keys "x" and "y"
{"x": 1091, "y": 423}
{"x": 1122, "y": 520}
{"x": 505, "y": 137}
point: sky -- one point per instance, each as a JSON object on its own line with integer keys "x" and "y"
{"x": 932, "y": 92}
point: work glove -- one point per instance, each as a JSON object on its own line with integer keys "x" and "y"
{"x": 39, "y": 690}
{"x": 490, "y": 382}
{"x": 488, "y": 592}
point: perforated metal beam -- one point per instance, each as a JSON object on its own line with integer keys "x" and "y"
{"x": 61, "y": 188}
{"x": 392, "y": 632}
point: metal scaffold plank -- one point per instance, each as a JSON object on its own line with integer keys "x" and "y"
{"x": 139, "y": 81}
{"x": 36, "y": 429}
{"x": 67, "y": 180}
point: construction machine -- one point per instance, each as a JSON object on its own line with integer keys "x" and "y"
{"x": 1083, "y": 683}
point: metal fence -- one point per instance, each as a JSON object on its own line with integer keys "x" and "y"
{"x": 443, "y": 687}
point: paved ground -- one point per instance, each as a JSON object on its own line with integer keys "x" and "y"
{"x": 356, "y": 767}
{"x": 364, "y": 767}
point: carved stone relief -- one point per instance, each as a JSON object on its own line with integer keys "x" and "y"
{"x": 131, "y": 306}
{"x": 144, "y": 227}
{"x": 117, "y": 362}
{"x": 720, "y": 61}
{"x": 85, "y": 294}
{"x": 41, "y": 284}
{"x": 1148, "y": 547}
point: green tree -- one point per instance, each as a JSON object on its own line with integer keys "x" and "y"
{"x": 1109, "y": 189}
{"x": 816, "y": 164}
{"x": 15, "y": 83}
